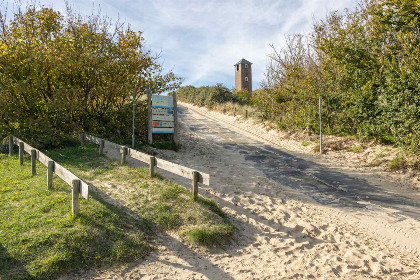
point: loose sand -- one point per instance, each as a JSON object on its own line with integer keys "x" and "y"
{"x": 281, "y": 232}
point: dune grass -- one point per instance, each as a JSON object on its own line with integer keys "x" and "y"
{"x": 397, "y": 163}
{"x": 166, "y": 204}
{"x": 39, "y": 239}
{"x": 355, "y": 149}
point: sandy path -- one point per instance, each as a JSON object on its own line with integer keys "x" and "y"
{"x": 295, "y": 218}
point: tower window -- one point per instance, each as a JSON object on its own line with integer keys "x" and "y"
{"x": 246, "y": 65}
{"x": 246, "y": 78}
{"x": 237, "y": 67}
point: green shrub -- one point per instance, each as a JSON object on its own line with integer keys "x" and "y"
{"x": 206, "y": 95}
{"x": 242, "y": 96}
{"x": 305, "y": 143}
{"x": 363, "y": 63}
{"x": 52, "y": 88}
{"x": 4, "y": 148}
{"x": 397, "y": 163}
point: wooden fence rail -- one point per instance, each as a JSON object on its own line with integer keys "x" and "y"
{"x": 77, "y": 184}
{"x": 194, "y": 175}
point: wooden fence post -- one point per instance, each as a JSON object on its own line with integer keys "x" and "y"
{"x": 33, "y": 162}
{"x": 175, "y": 135}
{"x": 10, "y": 145}
{"x": 123, "y": 154}
{"x": 101, "y": 146}
{"x": 21, "y": 151}
{"x": 82, "y": 139}
{"x": 234, "y": 111}
{"x": 75, "y": 205}
{"x": 195, "y": 184}
{"x": 246, "y": 114}
{"x": 152, "y": 166}
{"x": 50, "y": 172}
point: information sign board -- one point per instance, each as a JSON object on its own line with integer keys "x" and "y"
{"x": 162, "y": 115}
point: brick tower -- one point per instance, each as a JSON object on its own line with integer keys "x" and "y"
{"x": 243, "y": 75}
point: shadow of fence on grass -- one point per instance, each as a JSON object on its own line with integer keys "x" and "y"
{"x": 11, "y": 268}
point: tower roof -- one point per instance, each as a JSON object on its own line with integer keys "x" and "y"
{"x": 242, "y": 61}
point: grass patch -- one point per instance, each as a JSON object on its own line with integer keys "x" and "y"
{"x": 209, "y": 235}
{"x": 381, "y": 155}
{"x": 39, "y": 239}
{"x": 305, "y": 143}
{"x": 166, "y": 204}
{"x": 397, "y": 163}
{"x": 355, "y": 149}
{"x": 211, "y": 205}
{"x": 83, "y": 160}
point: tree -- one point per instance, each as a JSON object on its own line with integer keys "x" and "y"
{"x": 62, "y": 74}
{"x": 365, "y": 65}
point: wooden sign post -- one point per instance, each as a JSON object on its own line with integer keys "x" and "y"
{"x": 162, "y": 115}
{"x": 149, "y": 116}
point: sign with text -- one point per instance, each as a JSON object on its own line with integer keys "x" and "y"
{"x": 162, "y": 111}
{"x": 169, "y": 118}
{"x": 163, "y": 124}
{"x": 162, "y": 115}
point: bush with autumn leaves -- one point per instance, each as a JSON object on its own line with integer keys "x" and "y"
{"x": 63, "y": 74}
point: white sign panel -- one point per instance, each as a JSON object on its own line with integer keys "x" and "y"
{"x": 162, "y": 111}
{"x": 162, "y": 124}
{"x": 162, "y": 118}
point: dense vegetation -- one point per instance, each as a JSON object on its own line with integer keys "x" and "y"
{"x": 206, "y": 95}
{"x": 364, "y": 64}
{"x": 62, "y": 74}
{"x": 39, "y": 239}
{"x": 220, "y": 98}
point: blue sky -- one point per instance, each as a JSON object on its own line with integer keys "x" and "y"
{"x": 201, "y": 40}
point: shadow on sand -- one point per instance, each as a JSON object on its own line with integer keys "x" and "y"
{"x": 324, "y": 185}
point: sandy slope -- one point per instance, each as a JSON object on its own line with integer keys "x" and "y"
{"x": 281, "y": 233}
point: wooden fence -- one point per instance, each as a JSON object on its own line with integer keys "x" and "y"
{"x": 77, "y": 184}
{"x": 194, "y": 175}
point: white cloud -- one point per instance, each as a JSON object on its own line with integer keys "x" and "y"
{"x": 201, "y": 40}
